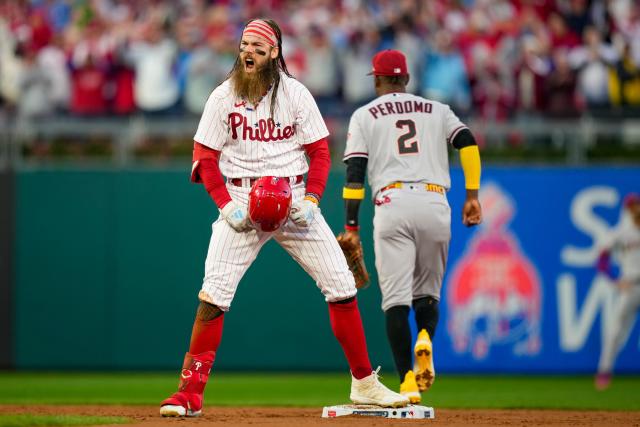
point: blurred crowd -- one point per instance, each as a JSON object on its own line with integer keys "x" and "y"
{"x": 490, "y": 59}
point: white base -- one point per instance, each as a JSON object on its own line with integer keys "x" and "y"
{"x": 407, "y": 412}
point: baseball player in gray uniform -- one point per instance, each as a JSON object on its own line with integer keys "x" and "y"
{"x": 624, "y": 242}
{"x": 400, "y": 141}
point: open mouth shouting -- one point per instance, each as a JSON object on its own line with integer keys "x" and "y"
{"x": 249, "y": 64}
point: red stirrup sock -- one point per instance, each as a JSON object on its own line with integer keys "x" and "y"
{"x": 193, "y": 379}
{"x": 205, "y": 339}
{"x": 206, "y": 335}
{"x": 347, "y": 327}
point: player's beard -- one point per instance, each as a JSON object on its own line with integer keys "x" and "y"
{"x": 253, "y": 86}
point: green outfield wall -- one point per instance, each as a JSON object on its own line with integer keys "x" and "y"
{"x": 6, "y": 265}
{"x": 107, "y": 266}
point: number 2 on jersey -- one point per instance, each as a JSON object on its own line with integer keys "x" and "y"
{"x": 406, "y": 143}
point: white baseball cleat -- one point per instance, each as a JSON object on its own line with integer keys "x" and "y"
{"x": 178, "y": 411}
{"x": 370, "y": 391}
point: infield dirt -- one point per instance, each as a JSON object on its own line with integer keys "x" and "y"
{"x": 147, "y": 416}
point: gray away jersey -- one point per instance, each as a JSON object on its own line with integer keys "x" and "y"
{"x": 405, "y": 138}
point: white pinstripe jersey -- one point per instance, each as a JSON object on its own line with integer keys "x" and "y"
{"x": 405, "y": 138}
{"x": 252, "y": 143}
{"x": 625, "y": 242}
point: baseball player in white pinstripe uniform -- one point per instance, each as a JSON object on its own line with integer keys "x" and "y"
{"x": 262, "y": 122}
{"x": 625, "y": 243}
{"x": 400, "y": 140}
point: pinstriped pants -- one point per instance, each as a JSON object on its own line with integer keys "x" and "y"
{"x": 315, "y": 248}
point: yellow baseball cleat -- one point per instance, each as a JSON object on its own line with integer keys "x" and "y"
{"x": 424, "y": 370}
{"x": 409, "y": 388}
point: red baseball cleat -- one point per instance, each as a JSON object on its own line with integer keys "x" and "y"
{"x": 187, "y": 401}
{"x": 602, "y": 381}
{"x": 182, "y": 404}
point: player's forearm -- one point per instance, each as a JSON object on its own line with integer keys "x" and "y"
{"x": 214, "y": 182}
{"x": 319, "y": 165}
{"x": 205, "y": 170}
{"x": 469, "y": 159}
{"x": 351, "y": 208}
{"x": 353, "y": 192}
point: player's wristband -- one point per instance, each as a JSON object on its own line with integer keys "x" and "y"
{"x": 312, "y": 198}
{"x": 353, "y": 193}
{"x": 470, "y": 160}
{"x": 351, "y": 227}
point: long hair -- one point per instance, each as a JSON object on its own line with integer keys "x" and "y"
{"x": 278, "y": 64}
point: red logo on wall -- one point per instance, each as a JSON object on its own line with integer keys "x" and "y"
{"x": 494, "y": 294}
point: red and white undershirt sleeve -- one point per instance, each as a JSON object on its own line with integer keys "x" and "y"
{"x": 319, "y": 165}
{"x": 205, "y": 170}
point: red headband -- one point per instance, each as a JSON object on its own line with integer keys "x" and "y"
{"x": 261, "y": 29}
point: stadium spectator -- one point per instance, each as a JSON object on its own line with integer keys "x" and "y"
{"x": 207, "y": 69}
{"x": 624, "y": 80}
{"x": 577, "y": 16}
{"x": 153, "y": 58}
{"x": 628, "y": 24}
{"x": 35, "y": 86}
{"x": 326, "y": 42}
{"x": 531, "y": 74}
{"x": 122, "y": 79}
{"x": 356, "y": 63}
{"x": 444, "y": 75}
{"x": 53, "y": 59}
{"x": 493, "y": 100}
{"x": 406, "y": 39}
{"x": 89, "y": 77}
{"x": 591, "y": 61}
{"x": 321, "y": 73}
{"x": 560, "y": 88}
{"x": 11, "y": 66}
{"x": 560, "y": 34}
{"x": 40, "y": 32}
{"x": 188, "y": 35}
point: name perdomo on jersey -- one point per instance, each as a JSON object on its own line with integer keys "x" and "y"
{"x": 396, "y": 107}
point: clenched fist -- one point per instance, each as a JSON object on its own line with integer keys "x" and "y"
{"x": 302, "y": 212}
{"x": 236, "y": 216}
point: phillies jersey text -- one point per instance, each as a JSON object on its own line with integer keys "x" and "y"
{"x": 253, "y": 143}
{"x": 404, "y": 137}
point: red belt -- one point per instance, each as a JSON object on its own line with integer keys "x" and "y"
{"x": 238, "y": 181}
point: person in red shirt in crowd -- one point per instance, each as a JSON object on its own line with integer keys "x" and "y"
{"x": 559, "y": 32}
{"x": 88, "y": 82}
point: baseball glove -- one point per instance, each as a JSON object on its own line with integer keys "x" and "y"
{"x": 355, "y": 259}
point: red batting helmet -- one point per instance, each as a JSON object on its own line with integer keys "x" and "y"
{"x": 269, "y": 203}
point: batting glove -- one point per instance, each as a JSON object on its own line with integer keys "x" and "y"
{"x": 236, "y": 216}
{"x": 302, "y": 212}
